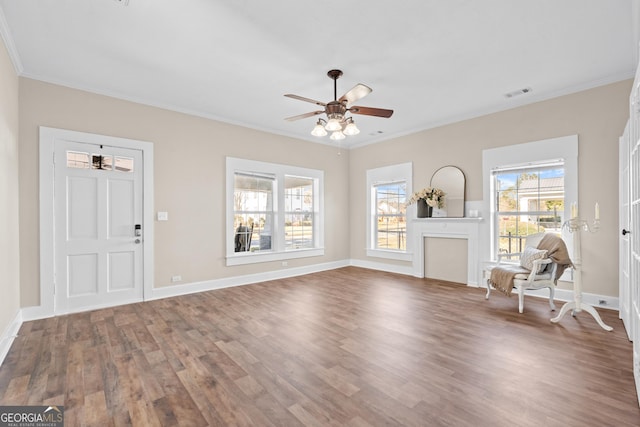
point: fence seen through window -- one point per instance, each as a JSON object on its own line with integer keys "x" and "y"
{"x": 390, "y": 216}
{"x": 527, "y": 201}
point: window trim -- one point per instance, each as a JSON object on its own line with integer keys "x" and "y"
{"x": 278, "y": 251}
{"x": 565, "y": 148}
{"x": 388, "y": 174}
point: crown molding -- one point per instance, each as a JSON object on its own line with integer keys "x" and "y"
{"x": 9, "y": 44}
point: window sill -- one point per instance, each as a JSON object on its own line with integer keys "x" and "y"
{"x": 389, "y": 254}
{"x": 243, "y": 258}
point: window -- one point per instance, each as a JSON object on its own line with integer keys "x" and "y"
{"x": 78, "y": 160}
{"x": 252, "y": 211}
{"x": 527, "y": 200}
{"x": 390, "y": 216}
{"x": 299, "y": 208}
{"x": 273, "y": 212}
{"x": 528, "y": 188}
{"x": 387, "y": 227}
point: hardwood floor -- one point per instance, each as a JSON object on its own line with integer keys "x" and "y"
{"x": 348, "y": 347}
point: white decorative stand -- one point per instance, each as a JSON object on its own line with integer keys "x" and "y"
{"x": 575, "y": 225}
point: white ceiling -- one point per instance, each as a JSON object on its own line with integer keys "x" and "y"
{"x": 432, "y": 61}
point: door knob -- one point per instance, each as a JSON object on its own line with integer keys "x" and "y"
{"x": 137, "y": 241}
{"x": 625, "y": 232}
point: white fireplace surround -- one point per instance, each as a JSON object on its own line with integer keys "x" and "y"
{"x": 449, "y": 228}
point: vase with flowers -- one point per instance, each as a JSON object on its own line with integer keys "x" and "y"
{"x": 427, "y": 199}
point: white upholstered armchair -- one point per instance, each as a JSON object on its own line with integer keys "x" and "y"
{"x": 542, "y": 261}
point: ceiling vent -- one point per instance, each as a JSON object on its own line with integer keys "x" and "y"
{"x": 517, "y": 92}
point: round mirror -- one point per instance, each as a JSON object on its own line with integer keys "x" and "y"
{"x": 451, "y": 180}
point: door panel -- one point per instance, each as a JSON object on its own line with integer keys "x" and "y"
{"x": 624, "y": 248}
{"x": 97, "y": 203}
{"x": 82, "y": 274}
{"x": 82, "y": 208}
{"x": 121, "y": 270}
{"x": 121, "y": 208}
{"x": 634, "y": 223}
{"x": 634, "y": 238}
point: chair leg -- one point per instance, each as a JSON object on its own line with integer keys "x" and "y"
{"x": 488, "y": 289}
{"x": 520, "y": 299}
{"x": 552, "y": 292}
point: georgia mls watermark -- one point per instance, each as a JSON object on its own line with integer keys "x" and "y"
{"x": 31, "y": 416}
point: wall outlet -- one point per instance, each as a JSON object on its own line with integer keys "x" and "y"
{"x": 285, "y": 263}
{"x": 602, "y": 302}
{"x": 175, "y": 279}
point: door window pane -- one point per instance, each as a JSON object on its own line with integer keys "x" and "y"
{"x": 101, "y": 162}
{"x": 77, "y": 160}
{"x": 124, "y": 164}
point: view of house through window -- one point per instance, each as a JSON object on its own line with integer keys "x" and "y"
{"x": 298, "y": 221}
{"x": 527, "y": 200}
{"x": 253, "y": 211}
{"x": 390, "y": 215}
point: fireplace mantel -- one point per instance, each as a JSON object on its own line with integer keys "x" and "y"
{"x": 450, "y": 228}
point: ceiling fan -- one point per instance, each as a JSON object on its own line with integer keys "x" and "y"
{"x": 337, "y": 121}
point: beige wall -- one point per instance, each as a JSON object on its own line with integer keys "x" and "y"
{"x": 9, "y": 239}
{"x": 597, "y": 116}
{"x": 189, "y": 173}
{"x": 189, "y": 179}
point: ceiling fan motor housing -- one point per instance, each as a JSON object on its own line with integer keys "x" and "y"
{"x": 335, "y": 109}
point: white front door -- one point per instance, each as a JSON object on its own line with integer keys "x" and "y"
{"x": 98, "y": 225}
{"x": 631, "y": 230}
{"x": 624, "y": 274}
{"x": 634, "y": 245}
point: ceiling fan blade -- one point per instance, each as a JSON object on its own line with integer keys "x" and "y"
{"x": 356, "y": 92}
{"x": 302, "y": 98}
{"x": 368, "y": 111}
{"x": 304, "y": 116}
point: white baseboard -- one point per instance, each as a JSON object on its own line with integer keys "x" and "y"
{"x": 599, "y": 301}
{"x": 9, "y": 335}
{"x": 209, "y": 285}
{"x": 380, "y": 266}
{"x": 36, "y": 312}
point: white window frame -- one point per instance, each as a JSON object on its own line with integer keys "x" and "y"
{"x": 278, "y": 251}
{"x": 377, "y": 176}
{"x": 565, "y": 148}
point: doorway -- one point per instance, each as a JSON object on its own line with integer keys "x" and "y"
{"x": 96, "y": 221}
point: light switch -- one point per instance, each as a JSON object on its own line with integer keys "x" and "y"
{"x": 163, "y": 216}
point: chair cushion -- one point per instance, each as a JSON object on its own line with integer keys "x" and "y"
{"x": 522, "y": 276}
{"x": 531, "y": 254}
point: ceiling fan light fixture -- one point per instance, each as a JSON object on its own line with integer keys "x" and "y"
{"x": 333, "y": 125}
{"x": 337, "y": 136}
{"x": 319, "y": 130}
{"x": 351, "y": 129}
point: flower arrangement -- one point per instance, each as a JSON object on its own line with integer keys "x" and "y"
{"x": 433, "y": 196}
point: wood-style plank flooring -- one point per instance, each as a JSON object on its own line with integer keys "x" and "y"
{"x": 348, "y": 347}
